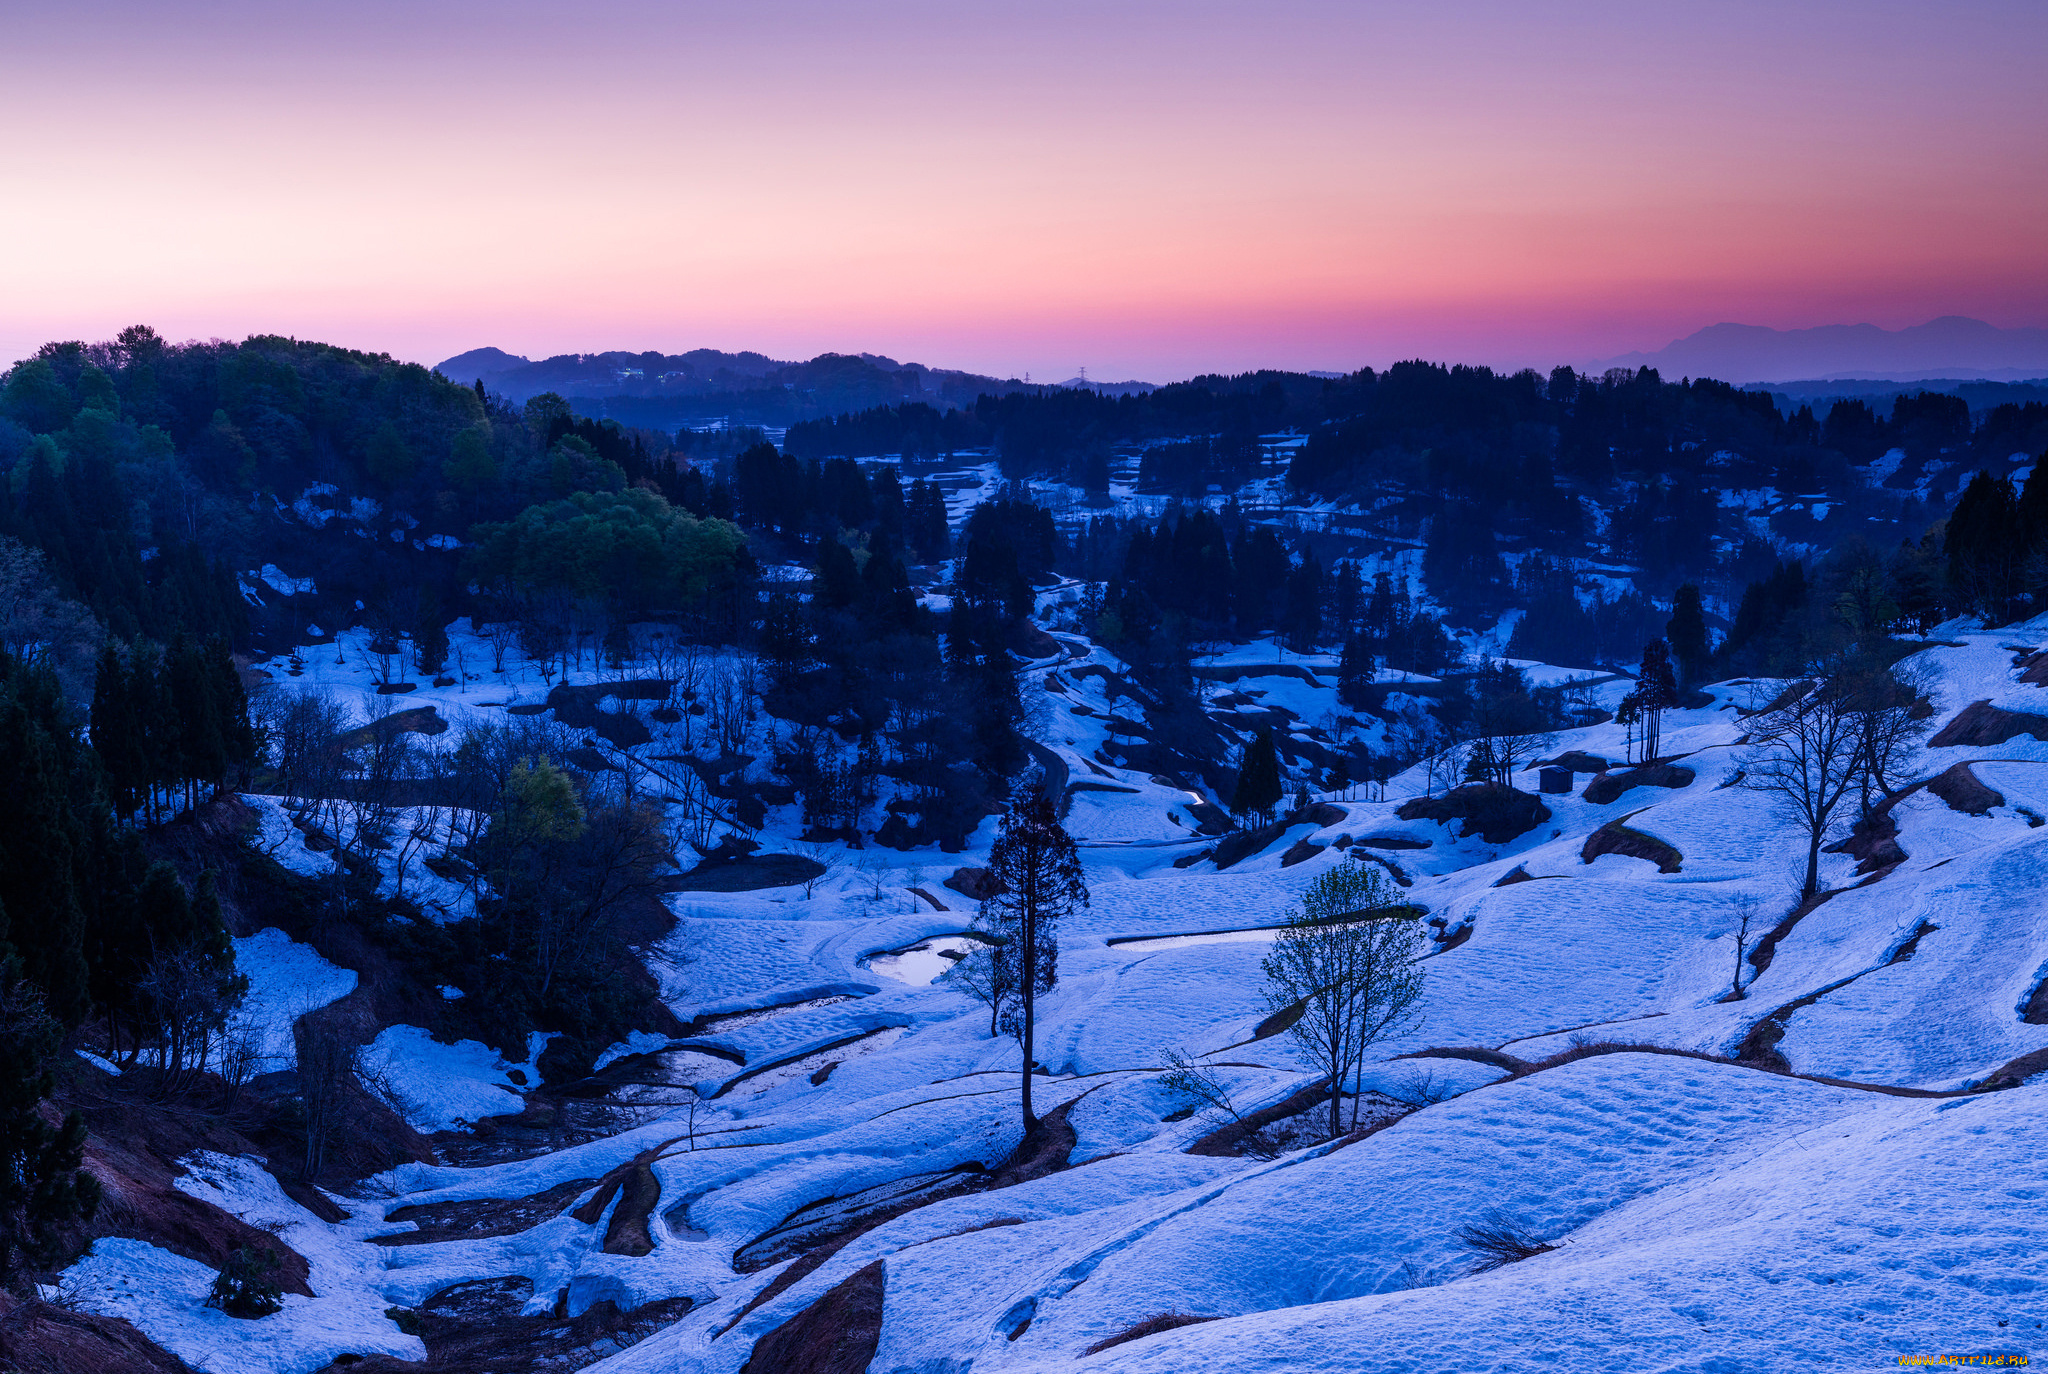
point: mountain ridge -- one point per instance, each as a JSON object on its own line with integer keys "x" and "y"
{"x": 1949, "y": 346}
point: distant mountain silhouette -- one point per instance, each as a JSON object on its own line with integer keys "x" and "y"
{"x": 1952, "y": 346}
{"x": 664, "y": 390}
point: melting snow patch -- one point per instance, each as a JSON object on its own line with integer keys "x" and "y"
{"x": 286, "y": 980}
{"x": 164, "y": 1295}
{"x": 639, "y": 1042}
{"x": 283, "y": 841}
{"x": 925, "y": 962}
{"x": 285, "y": 585}
{"x": 438, "y": 1087}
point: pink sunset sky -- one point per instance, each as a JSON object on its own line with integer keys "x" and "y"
{"x": 1148, "y": 190}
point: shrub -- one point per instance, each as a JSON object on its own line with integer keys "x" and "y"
{"x": 1497, "y": 1239}
{"x": 244, "y": 1288}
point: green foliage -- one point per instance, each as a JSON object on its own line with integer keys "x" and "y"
{"x": 388, "y": 459}
{"x": 1344, "y": 889}
{"x": 630, "y": 545}
{"x": 539, "y": 806}
{"x": 244, "y": 1287}
{"x": 470, "y": 468}
{"x": 34, "y": 396}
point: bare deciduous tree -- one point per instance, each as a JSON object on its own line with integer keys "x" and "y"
{"x": 1804, "y": 755}
{"x": 1745, "y": 914}
{"x": 1351, "y": 967}
{"x": 1203, "y": 1088}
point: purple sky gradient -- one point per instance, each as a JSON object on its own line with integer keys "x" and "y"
{"x": 1147, "y": 189}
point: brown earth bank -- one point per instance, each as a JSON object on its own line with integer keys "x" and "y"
{"x": 1964, "y": 791}
{"x": 1495, "y": 814}
{"x": 1982, "y": 724}
{"x": 1609, "y": 787}
{"x": 837, "y": 1334}
{"x": 1617, "y": 838}
{"x": 43, "y": 1338}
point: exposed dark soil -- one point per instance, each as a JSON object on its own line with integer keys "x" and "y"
{"x": 750, "y": 874}
{"x": 477, "y": 1328}
{"x": 39, "y": 1338}
{"x": 1873, "y": 841}
{"x": 1495, "y": 814}
{"x": 1767, "y": 948}
{"x": 1964, "y": 791}
{"x": 1616, "y": 838}
{"x": 638, "y": 1192}
{"x": 1300, "y": 851}
{"x": 133, "y": 1148}
{"x": 1240, "y": 845}
{"x": 1793, "y": 691}
{"x": 1760, "y": 1046}
{"x": 1609, "y": 787}
{"x": 971, "y": 883}
{"x": 1226, "y": 1140}
{"x": 420, "y": 720}
{"x": 483, "y": 1217}
{"x": 1044, "y": 1150}
{"x": 1285, "y": 1019}
{"x": 1151, "y": 1326}
{"x": 1980, "y": 723}
{"x": 837, "y": 1334}
{"x": 1394, "y": 842}
{"x": 2036, "y": 1013}
{"x": 1575, "y": 760}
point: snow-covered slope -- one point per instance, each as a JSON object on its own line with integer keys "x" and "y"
{"x": 1705, "y": 1215}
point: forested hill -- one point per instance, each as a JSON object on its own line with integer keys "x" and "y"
{"x": 158, "y": 481}
{"x": 666, "y": 391}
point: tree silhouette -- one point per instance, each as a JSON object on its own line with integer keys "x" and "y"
{"x": 1036, "y": 875}
{"x": 1258, "y": 780}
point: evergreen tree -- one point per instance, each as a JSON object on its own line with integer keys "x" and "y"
{"x": 1347, "y": 599}
{"x": 40, "y": 835}
{"x": 1258, "y": 780}
{"x": 979, "y": 664}
{"x": 1687, "y": 633}
{"x": 199, "y": 751}
{"x": 43, "y": 1190}
{"x": 117, "y": 944}
{"x": 1983, "y": 545}
{"x": 1655, "y": 692}
{"x": 231, "y": 707}
{"x": 117, "y": 734}
{"x": 925, "y": 522}
{"x": 1305, "y": 604}
{"x": 1355, "y": 671}
{"x": 2032, "y": 514}
{"x": 1036, "y": 881}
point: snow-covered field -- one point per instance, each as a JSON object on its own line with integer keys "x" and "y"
{"x": 1705, "y": 1216}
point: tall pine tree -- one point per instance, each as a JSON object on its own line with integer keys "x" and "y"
{"x": 1258, "y": 780}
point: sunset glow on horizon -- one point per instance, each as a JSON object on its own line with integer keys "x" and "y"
{"x": 1148, "y": 190}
